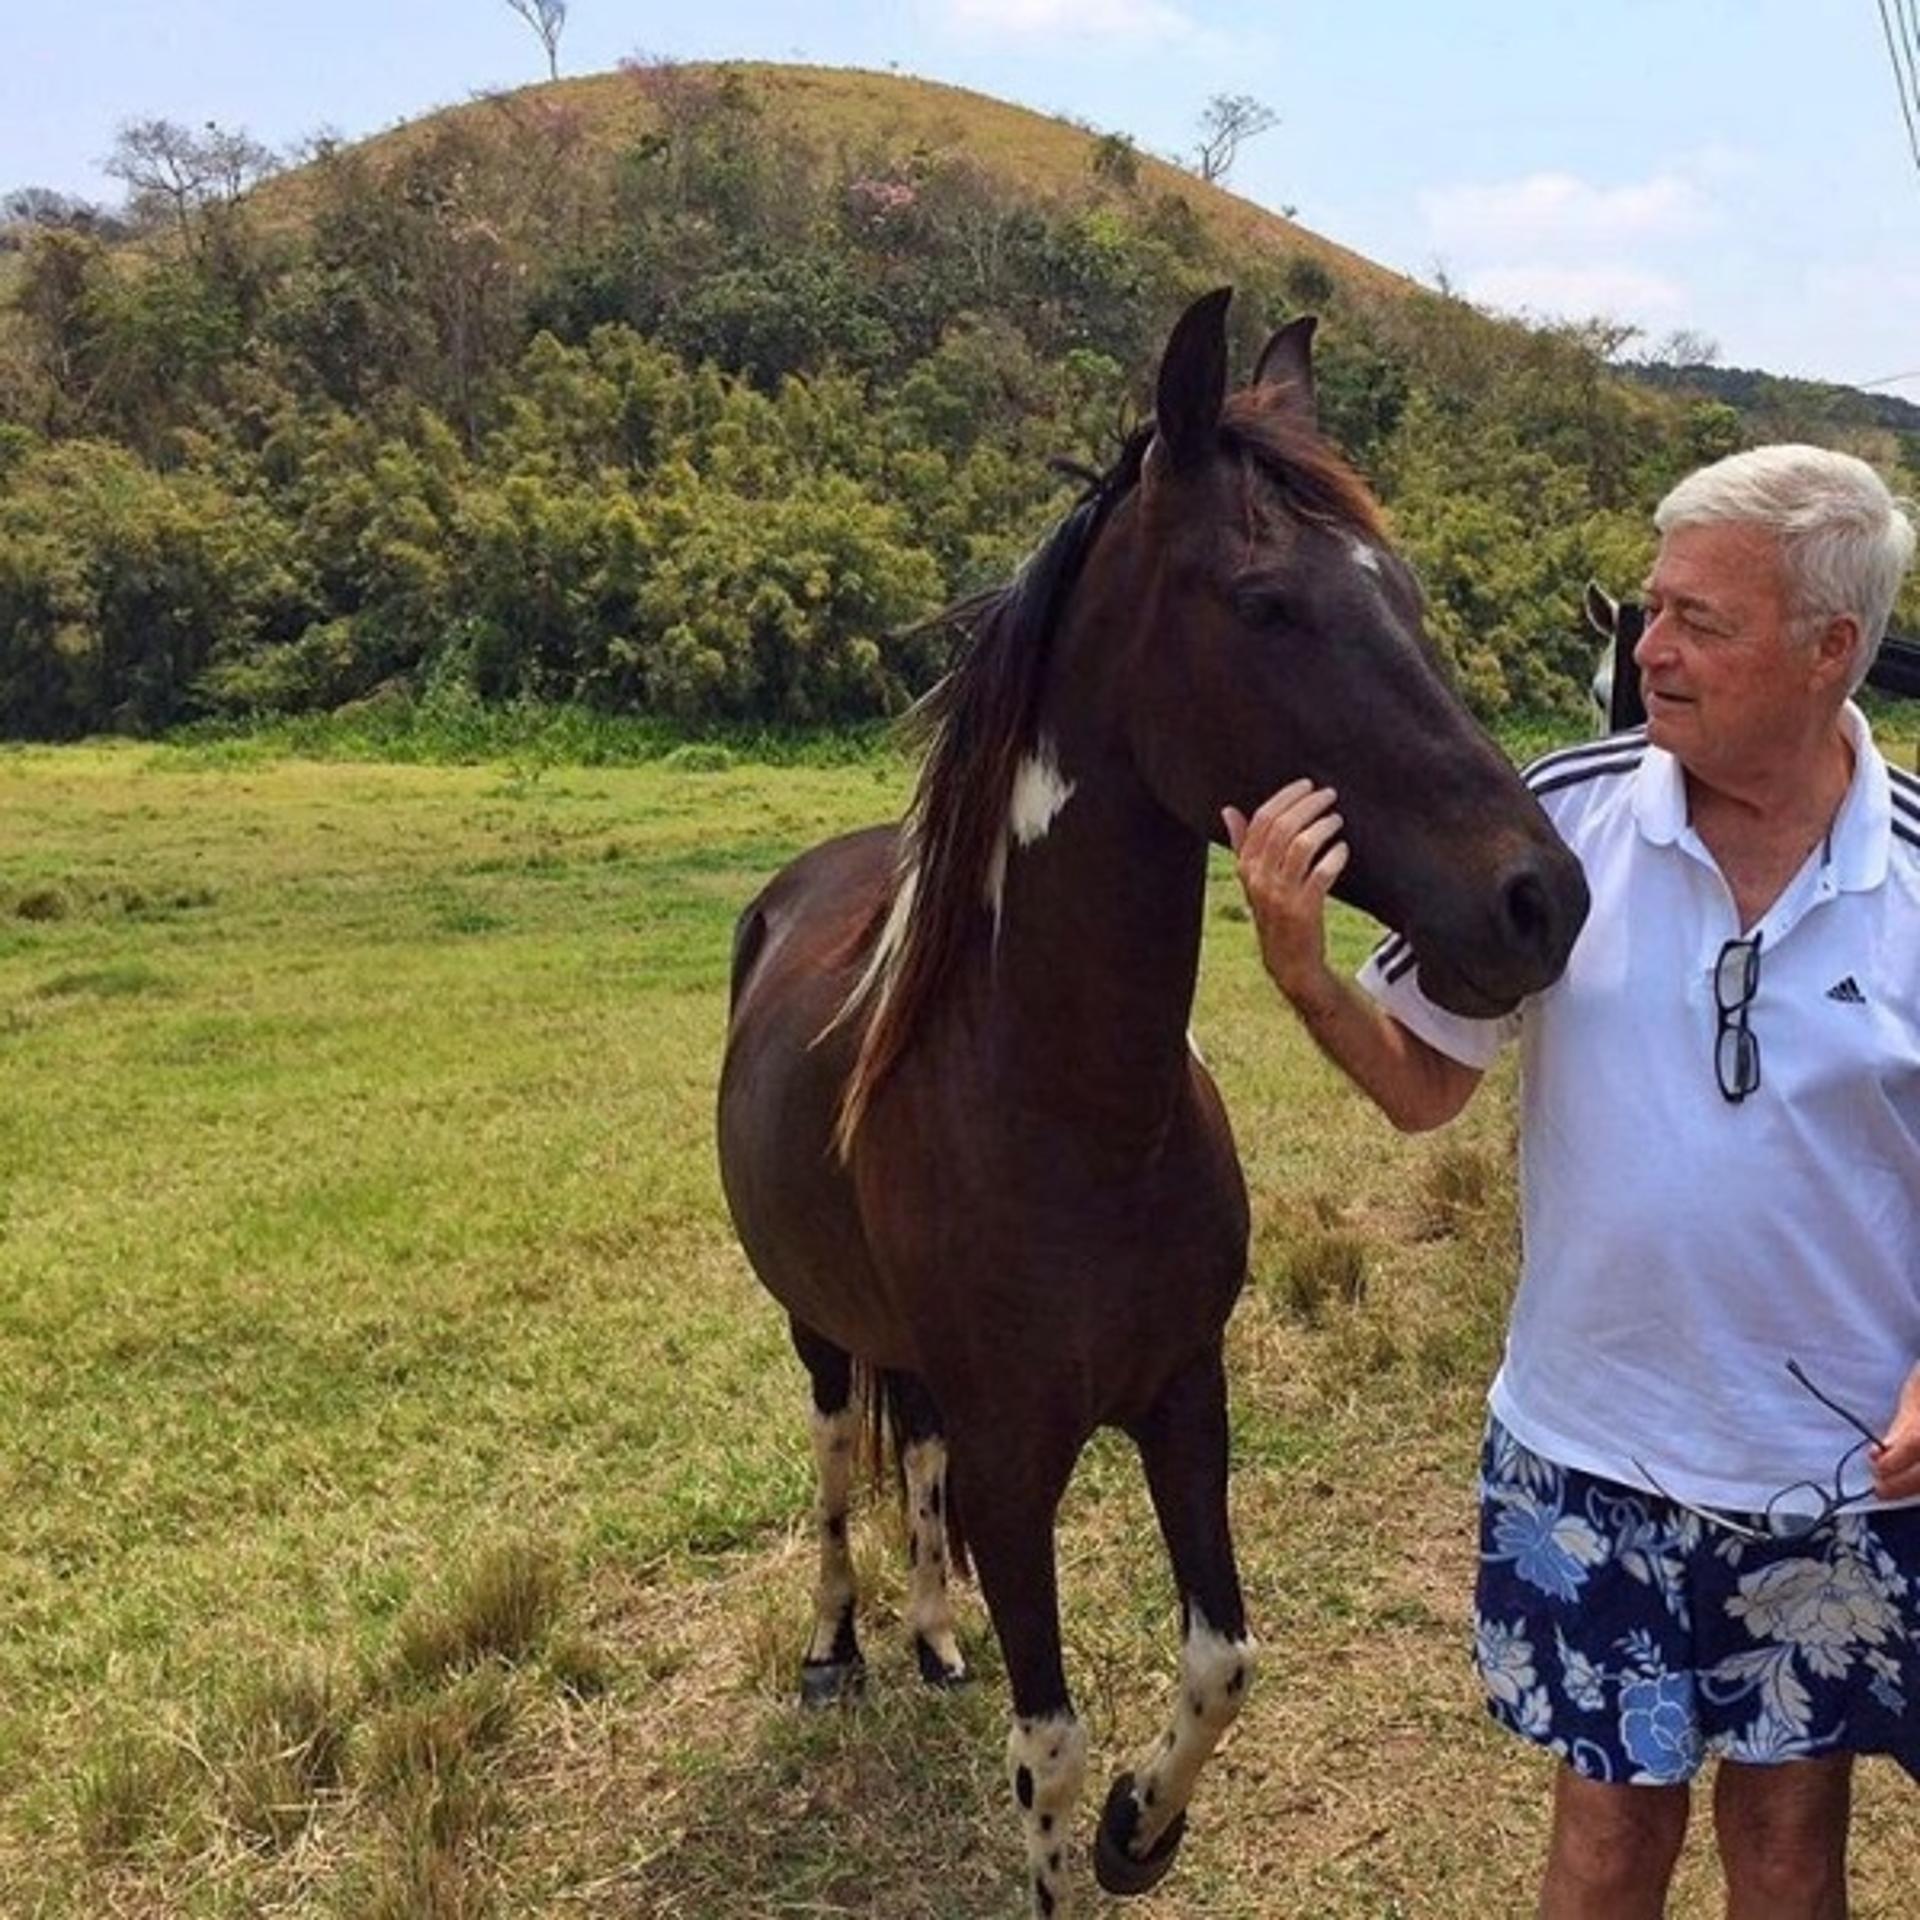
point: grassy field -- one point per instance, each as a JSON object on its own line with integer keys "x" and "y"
{"x": 403, "y": 1481}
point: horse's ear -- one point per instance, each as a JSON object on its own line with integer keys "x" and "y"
{"x": 1603, "y": 611}
{"x": 1193, "y": 379}
{"x": 1286, "y": 362}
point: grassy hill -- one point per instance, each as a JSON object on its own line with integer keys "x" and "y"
{"x": 847, "y": 110}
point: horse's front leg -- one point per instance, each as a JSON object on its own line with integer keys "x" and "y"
{"x": 1012, "y": 1482}
{"x": 1183, "y": 1446}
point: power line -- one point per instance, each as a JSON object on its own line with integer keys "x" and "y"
{"x": 1910, "y": 46}
{"x": 1903, "y": 19}
{"x": 1907, "y": 87}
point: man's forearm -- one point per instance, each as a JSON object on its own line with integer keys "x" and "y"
{"x": 1413, "y": 1084}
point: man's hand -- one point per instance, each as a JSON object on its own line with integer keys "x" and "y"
{"x": 1289, "y": 855}
{"x": 1896, "y": 1466}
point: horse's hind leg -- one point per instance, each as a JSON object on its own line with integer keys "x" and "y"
{"x": 1183, "y": 1446}
{"x": 832, "y": 1668}
{"x": 923, "y": 1460}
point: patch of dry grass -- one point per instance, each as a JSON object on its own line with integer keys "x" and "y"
{"x": 501, "y": 1608}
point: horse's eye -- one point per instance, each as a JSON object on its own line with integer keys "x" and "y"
{"x": 1262, "y": 603}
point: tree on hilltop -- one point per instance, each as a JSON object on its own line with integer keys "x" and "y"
{"x": 548, "y": 19}
{"x": 1231, "y": 119}
{"x": 173, "y": 173}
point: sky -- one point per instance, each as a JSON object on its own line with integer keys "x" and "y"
{"x": 1736, "y": 168}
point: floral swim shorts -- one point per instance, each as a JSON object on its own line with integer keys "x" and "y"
{"x": 1633, "y": 1637}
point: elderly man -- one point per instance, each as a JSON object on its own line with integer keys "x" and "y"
{"x": 1701, "y": 1483}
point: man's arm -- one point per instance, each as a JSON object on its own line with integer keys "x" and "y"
{"x": 1289, "y": 855}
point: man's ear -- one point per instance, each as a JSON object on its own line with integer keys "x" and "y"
{"x": 1834, "y": 649}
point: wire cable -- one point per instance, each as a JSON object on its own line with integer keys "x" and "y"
{"x": 1903, "y": 11}
{"x": 1902, "y": 83}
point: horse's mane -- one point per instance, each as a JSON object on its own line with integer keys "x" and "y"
{"x": 980, "y": 724}
{"x": 1299, "y": 463}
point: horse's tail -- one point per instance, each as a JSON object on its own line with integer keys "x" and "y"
{"x": 892, "y": 1404}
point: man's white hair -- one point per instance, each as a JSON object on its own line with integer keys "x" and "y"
{"x": 1846, "y": 542}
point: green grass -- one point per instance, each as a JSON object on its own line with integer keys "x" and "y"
{"x": 403, "y": 1485}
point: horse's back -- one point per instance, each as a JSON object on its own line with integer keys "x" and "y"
{"x": 808, "y": 919}
{"x": 798, "y": 949}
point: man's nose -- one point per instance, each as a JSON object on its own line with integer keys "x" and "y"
{"x": 1653, "y": 643}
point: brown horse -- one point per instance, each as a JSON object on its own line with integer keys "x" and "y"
{"x": 963, "y": 1133}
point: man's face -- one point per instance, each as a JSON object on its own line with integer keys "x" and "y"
{"x": 1726, "y": 680}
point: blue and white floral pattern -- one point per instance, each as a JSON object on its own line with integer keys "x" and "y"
{"x": 1632, "y": 1637}
{"x": 1658, "y": 1726}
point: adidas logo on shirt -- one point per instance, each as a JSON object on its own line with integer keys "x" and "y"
{"x": 1848, "y": 992}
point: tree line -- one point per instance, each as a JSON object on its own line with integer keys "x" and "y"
{"x": 699, "y": 422}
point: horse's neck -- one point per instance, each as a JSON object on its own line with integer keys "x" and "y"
{"x": 1092, "y": 975}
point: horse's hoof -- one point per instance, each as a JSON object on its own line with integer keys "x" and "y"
{"x": 1114, "y": 1866}
{"x": 935, "y": 1671}
{"x": 825, "y": 1683}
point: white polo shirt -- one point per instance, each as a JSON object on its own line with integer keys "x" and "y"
{"x": 1680, "y": 1247}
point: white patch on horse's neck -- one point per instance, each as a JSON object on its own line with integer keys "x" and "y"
{"x": 1363, "y": 556}
{"x": 1040, "y": 790}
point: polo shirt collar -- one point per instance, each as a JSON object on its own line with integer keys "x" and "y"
{"x": 1858, "y": 841}
{"x": 1660, "y": 797}
{"x": 1863, "y": 828}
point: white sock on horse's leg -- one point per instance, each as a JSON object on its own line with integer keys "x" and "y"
{"x": 929, "y": 1604}
{"x": 1047, "y": 1760}
{"x": 1215, "y": 1673}
{"x": 833, "y": 1641}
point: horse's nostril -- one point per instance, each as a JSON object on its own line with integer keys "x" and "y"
{"x": 1529, "y": 911}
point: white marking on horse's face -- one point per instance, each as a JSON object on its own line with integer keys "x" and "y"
{"x": 1040, "y": 790}
{"x": 1047, "y": 1763}
{"x": 1362, "y": 555}
{"x": 1215, "y": 1673}
{"x": 1193, "y": 1047}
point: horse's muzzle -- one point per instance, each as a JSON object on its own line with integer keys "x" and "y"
{"x": 1521, "y": 943}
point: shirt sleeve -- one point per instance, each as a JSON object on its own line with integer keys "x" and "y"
{"x": 1391, "y": 977}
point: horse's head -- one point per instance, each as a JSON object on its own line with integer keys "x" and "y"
{"x": 1277, "y": 634}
